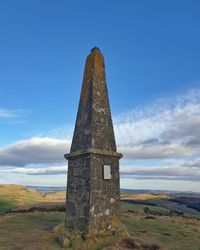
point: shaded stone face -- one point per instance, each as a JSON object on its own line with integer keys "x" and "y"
{"x": 92, "y": 199}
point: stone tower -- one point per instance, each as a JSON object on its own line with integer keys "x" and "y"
{"x": 93, "y": 192}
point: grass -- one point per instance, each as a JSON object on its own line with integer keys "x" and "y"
{"x": 139, "y": 208}
{"x": 12, "y": 196}
{"x": 174, "y": 233}
{"x": 19, "y": 195}
{"x": 35, "y": 230}
{"x": 144, "y": 196}
{"x": 6, "y": 204}
{"x": 30, "y": 231}
{"x": 166, "y": 233}
{"x": 95, "y": 240}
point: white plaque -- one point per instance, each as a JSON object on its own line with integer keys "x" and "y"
{"x": 106, "y": 172}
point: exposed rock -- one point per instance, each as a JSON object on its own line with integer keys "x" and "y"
{"x": 63, "y": 241}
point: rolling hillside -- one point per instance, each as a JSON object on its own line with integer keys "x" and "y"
{"x": 152, "y": 221}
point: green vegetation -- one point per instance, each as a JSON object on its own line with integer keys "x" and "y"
{"x": 140, "y": 208}
{"x": 35, "y": 231}
{"x": 159, "y": 206}
{"x": 164, "y": 223}
{"x": 18, "y": 195}
{"x": 170, "y": 232}
{"x": 12, "y": 196}
{"x": 96, "y": 241}
{"x": 6, "y": 204}
{"x": 30, "y": 231}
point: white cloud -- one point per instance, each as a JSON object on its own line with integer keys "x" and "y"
{"x": 13, "y": 115}
{"x": 171, "y": 126}
{"x": 4, "y": 113}
{"x": 33, "y": 151}
{"x": 37, "y": 170}
{"x": 174, "y": 172}
{"x": 158, "y": 151}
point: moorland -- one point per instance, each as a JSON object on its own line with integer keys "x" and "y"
{"x": 28, "y": 219}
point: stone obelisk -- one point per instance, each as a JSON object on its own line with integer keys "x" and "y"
{"x": 93, "y": 190}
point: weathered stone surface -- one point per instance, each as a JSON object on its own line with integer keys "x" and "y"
{"x": 64, "y": 241}
{"x": 92, "y": 201}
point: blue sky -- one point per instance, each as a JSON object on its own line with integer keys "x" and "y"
{"x": 152, "y": 53}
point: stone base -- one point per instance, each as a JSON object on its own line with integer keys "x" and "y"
{"x": 72, "y": 240}
{"x": 91, "y": 199}
{"x": 105, "y": 227}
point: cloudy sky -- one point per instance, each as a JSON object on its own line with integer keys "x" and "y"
{"x": 152, "y": 56}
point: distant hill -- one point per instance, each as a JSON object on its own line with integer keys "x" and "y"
{"x": 46, "y": 189}
{"x": 151, "y": 191}
{"x": 12, "y": 196}
{"x": 123, "y": 190}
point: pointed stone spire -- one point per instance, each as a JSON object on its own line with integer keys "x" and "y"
{"x": 93, "y": 194}
{"x": 94, "y": 128}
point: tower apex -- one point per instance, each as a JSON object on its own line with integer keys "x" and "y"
{"x": 95, "y": 49}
